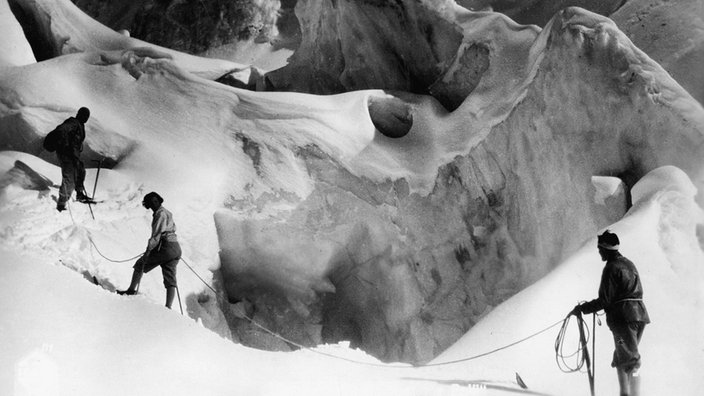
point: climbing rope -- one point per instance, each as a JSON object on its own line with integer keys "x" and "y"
{"x": 90, "y": 239}
{"x": 496, "y": 349}
{"x": 581, "y": 354}
{"x": 303, "y": 347}
{"x": 300, "y": 346}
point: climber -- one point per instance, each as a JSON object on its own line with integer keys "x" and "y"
{"x": 162, "y": 249}
{"x": 621, "y": 298}
{"x": 68, "y": 152}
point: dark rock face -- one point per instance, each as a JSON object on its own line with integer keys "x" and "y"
{"x": 26, "y": 177}
{"x": 452, "y": 88}
{"x": 36, "y": 30}
{"x": 539, "y": 12}
{"x": 342, "y": 49}
{"x": 189, "y": 26}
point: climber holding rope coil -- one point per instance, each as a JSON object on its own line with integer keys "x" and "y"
{"x": 621, "y": 298}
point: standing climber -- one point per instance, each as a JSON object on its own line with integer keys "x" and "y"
{"x": 162, "y": 249}
{"x": 68, "y": 151}
{"x": 621, "y": 297}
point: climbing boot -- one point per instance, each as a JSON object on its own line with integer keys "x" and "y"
{"x": 170, "y": 295}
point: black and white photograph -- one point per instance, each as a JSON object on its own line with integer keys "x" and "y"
{"x": 351, "y": 197}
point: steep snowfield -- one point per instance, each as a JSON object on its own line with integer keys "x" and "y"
{"x": 659, "y": 235}
{"x": 64, "y": 336}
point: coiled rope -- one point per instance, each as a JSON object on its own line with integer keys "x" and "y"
{"x": 581, "y": 354}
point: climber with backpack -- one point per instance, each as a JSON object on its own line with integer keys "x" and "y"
{"x": 67, "y": 140}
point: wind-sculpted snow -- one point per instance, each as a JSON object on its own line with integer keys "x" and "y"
{"x": 56, "y": 27}
{"x": 14, "y": 49}
{"x": 487, "y": 224}
{"x": 398, "y": 237}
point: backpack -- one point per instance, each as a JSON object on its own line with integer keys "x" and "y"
{"x": 54, "y": 139}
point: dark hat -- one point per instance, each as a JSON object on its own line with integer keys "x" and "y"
{"x": 608, "y": 240}
{"x": 151, "y": 195}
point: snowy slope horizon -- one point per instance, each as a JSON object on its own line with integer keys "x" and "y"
{"x": 302, "y": 205}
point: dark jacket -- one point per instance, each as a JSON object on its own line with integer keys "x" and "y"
{"x": 73, "y": 134}
{"x": 620, "y": 293}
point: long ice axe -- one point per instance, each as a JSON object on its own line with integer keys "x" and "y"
{"x": 97, "y": 174}
{"x": 95, "y": 186}
{"x": 585, "y": 348}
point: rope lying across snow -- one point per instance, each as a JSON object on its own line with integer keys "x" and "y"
{"x": 90, "y": 239}
{"x": 300, "y": 346}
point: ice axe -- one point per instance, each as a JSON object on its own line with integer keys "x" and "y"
{"x": 97, "y": 174}
{"x": 95, "y": 186}
{"x": 585, "y": 347}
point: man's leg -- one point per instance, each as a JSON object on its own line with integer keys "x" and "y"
{"x": 634, "y": 382}
{"x": 169, "y": 272}
{"x": 68, "y": 176}
{"x": 634, "y": 375}
{"x": 136, "y": 278}
{"x": 170, "y": 295}
{"x": 80, "y": 180}
{"x": 623, "y": 382}
{"x": 626, "y": 356}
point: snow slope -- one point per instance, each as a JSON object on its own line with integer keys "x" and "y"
{"x": 68, "y": 334}
{"x": 659, "y": 234}
{"x": 287, "y": 163}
